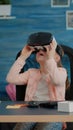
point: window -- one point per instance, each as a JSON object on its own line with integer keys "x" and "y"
{"x": 60, "y": 3}
{"x": 69, "y": 19}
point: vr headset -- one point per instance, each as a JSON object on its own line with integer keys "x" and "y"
{"x": 38, "y": 48}
{"x": 39, "y": 40}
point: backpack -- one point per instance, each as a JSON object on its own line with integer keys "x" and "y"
{"x": 11, "y": 91}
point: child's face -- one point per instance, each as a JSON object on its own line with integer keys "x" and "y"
{"x": 43, "y": 53}
{"x": 40, "y": 56}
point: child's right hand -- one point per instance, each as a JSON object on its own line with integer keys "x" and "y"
{"x": 51, "y": 49}
{"x": 64, "y": 126}
{"x": 26, "y": 51}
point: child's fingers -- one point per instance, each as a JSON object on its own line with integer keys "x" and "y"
{"x": 54, "y": 44}
{"x": 47, "y": 48}
{"x": 28, "y": 48}
{"x": 54, "y": 40}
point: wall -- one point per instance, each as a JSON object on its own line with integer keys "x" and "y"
{"x": 31, "y": 16}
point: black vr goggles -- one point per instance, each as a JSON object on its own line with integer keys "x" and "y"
{"x": 40, "y": 39}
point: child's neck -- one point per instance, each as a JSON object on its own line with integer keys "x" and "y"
{"x": 43, "y": 69}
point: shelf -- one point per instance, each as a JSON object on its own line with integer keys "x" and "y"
{"x": 7, "y": 17}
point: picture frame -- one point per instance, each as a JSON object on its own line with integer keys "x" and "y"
{"x": 60, "y": 3}
{"x": 69, "y": 19}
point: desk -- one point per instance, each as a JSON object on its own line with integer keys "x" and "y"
{"x": 25, "y": 114}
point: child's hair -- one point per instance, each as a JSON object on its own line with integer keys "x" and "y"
{"x": 60, "y": 52}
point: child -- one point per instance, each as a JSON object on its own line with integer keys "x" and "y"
{"x": 44, "y": 84}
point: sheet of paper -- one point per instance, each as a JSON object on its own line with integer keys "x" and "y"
{"x": 16, "y": 106}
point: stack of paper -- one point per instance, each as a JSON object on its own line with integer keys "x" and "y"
{"x": 65, "y": 106}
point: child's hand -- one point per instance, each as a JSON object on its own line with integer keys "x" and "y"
{"x": 26, "y": 51}
{"x": 51, "y": 49}
{"x": 64, "y": 126}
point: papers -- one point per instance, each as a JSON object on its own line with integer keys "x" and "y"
{"x": 16, "y": 106}
{"x": 65, "y": 106}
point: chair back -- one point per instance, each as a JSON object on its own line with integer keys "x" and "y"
{"x": 69, "y": 52}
